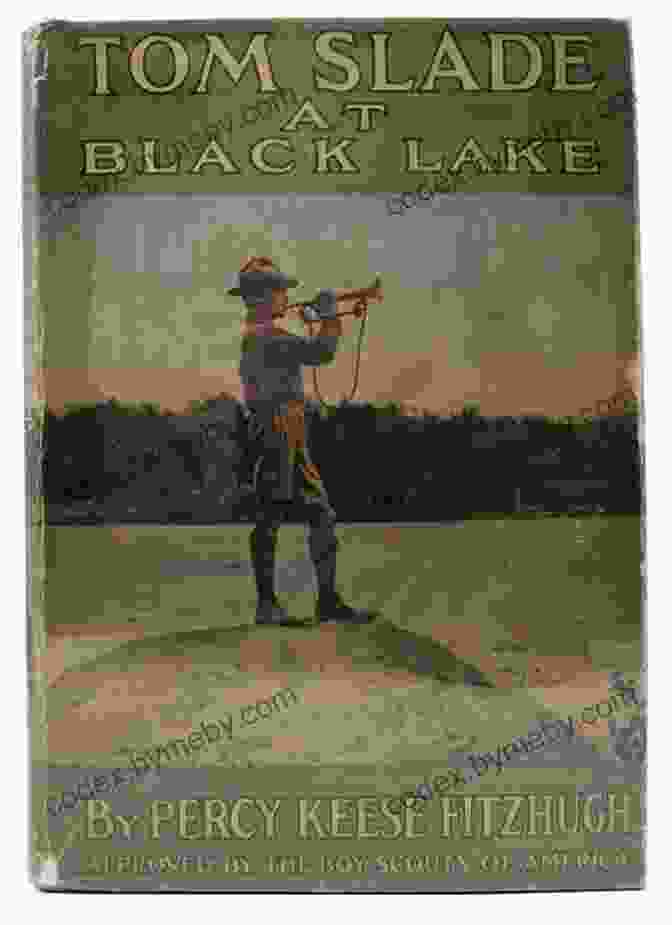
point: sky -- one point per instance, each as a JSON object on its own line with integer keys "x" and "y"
{"x": 522, "y": 303}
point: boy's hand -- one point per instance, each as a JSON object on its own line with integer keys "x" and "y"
{"x": 325, "y": 304}
{"x": 323, "y": 308}
{"x": 309, "y": 314}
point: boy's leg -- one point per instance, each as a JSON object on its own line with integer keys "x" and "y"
{"x": 323, "y": 545}
{"x": 270, "y": 513}
{"x": 263, "y": 545}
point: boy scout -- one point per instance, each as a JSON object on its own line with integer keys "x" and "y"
{"x": 285, "y": 477}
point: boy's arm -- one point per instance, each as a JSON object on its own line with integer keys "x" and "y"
{"x": 312, "y": 351}
{"x": 315, "y": 351}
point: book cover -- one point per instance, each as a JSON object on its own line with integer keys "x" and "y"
{"x": 335, "y": 555}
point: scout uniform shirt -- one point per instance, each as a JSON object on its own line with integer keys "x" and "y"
{"x": 272, "y": 388}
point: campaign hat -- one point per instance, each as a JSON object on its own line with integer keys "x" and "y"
{"x": 258, "y": 275}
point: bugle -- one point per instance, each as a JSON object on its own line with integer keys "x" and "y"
{"x": 360, "y": 296}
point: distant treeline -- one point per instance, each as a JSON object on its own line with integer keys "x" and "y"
{"x": 114, "y": 462}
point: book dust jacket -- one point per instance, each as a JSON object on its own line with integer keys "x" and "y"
{"x": 334, "y": 462}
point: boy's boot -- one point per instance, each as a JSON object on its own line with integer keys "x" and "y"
{"x": 323, "y": 544}
{"x": 270, "y": 612}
